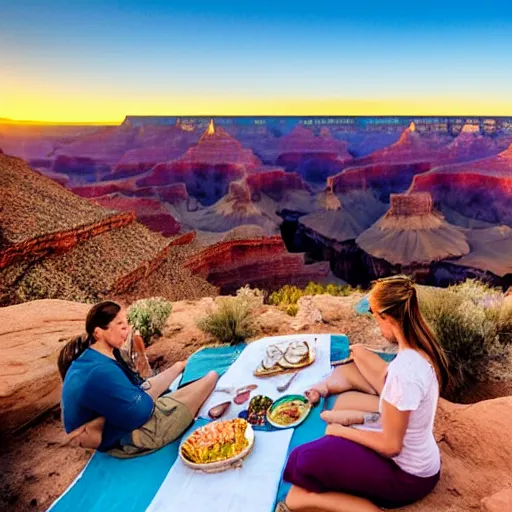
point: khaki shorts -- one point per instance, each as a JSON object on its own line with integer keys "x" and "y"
{"x": 170, "y": 419}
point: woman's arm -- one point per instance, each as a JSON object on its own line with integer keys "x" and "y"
{"x": 89, "y": 435}
{"x": 388, "y": 442}
{"x": 160, "y": 383}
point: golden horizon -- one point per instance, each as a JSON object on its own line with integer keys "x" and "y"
{"x": 111, "y": 111}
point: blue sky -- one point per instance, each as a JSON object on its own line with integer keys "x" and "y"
{"x": 126, "y": 56}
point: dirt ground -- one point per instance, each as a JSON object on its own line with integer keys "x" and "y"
{"x": 38, "y": 464}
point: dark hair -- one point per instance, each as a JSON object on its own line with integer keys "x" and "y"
{"x": 397, "y": 297}
{"x": 100, "y": 315}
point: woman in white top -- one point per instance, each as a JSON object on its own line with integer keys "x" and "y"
{"x": 398, "y": 463}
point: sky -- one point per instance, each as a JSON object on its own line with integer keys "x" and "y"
{"x": 98, "y": 61}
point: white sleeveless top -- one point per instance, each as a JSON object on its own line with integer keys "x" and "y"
{"x": 411, "y": 385}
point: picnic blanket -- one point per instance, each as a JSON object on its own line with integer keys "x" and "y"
{"x": 241, "y": 371}
{"x": 253, "y": 487}
{"x": 130, "y": 485}
{"x": 363, "y": 306}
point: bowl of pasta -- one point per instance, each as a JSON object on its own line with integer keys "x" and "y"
{"x": 288, "y": 411}
{"x": 218, "y": 446}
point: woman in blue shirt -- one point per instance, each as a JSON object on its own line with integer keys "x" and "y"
{"x": 109, "y": 407}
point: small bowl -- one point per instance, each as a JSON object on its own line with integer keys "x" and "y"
{"x": 289, "y": 398}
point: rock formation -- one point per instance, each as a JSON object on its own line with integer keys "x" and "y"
{"x": 29, "y": 347}
{"x": 261, "y": 262}
{"x": 236, "y": 209}
{"x": 382, "y": 178}
{"x": 150, "y": 212}
{"x": 43, "y": 217}
{"x": 491, "y": 250}
{"x": 412, "y": 146}
{"x": 411, "y": 233}
{"x": 207, "y": 168}
{"x": 331, "y": 221}
{"x": 478, "y": 190}
{"x": 57, "y": 245}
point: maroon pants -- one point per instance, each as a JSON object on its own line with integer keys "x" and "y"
{"x": 334, "y": 464}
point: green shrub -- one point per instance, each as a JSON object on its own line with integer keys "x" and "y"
{"x": 471, "y": 326}
{"x": 231, "y": 323}
{"x": 148, "y": 316}
{"x": 287, "y": 297}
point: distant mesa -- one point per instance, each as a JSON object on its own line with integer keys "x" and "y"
{"x": 411, "y": 232}
{"x": 303, "y": 140}
{"x": 470, "y": 128}
{"x": 103, "y": 188}
{"x": 311, "y": 156}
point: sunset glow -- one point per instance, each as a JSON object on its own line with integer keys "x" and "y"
{"x": 96, "y": 63}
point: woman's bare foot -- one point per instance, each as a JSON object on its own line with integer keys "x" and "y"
{"x": 316, "y": 392}
{"x": 343, "y": 417}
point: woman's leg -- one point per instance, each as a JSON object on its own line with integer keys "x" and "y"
{"x": 350, "y": 408}
{"x": 194, "y": 395}
{"x": 300, "y": 500}
{"x": 332, "y": 464}
{"x": 343, "y": 378}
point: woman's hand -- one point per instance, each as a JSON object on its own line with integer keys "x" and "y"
{"x": 88, "y": 435}
{"x": 357, "y": 349}
{"x": 337, "y": 430}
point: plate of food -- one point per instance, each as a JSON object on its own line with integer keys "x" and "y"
{"x": 286, "y": 357}
{"x": 288, "y": 411}
{"x": 257, "y": 411}
{"x": 218, "y": 446}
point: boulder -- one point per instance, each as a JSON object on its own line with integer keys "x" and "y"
{"x": 30, "y": 337}
{"x": 498, "y": 502}
{"x": 476, "y": 454}
{"x": 308, "y": 314}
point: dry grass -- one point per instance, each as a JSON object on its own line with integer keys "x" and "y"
{"x": 88, "y": 271}
{"x": 37, "y": 205}
{"x": 231, "y": 323}
{"x": 172, "y": 280}
{"x": 474, "y": 327}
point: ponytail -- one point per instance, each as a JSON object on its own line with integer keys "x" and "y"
{"x": 419, "y": 334}
{"x": 72, "y": 350}
{"x": 100, "y": 315}
{"x": 397, "y": 297}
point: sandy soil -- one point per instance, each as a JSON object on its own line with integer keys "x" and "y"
{"x": 38, "y": 464}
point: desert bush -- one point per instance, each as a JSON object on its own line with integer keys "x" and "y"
{"x": 253, "y": 297}
{"x": 287, "y": 297}
{"x": 471, "y": 326}
{"x": 148, "y": 316}
{"x": 231, "y": 323}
